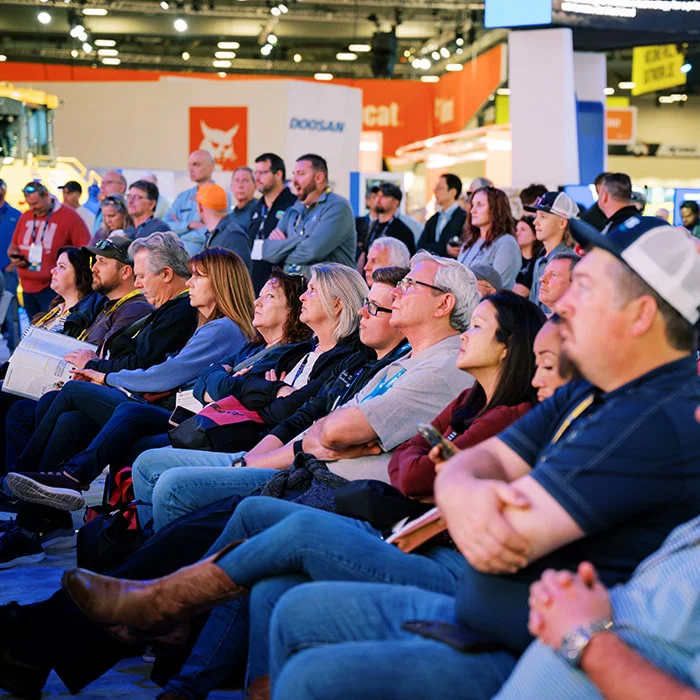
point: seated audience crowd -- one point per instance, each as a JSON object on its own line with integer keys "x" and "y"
{"x": 470, "y": 471}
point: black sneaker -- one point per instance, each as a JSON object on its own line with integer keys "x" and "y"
{"x": 46, "y": 488}
{"x": 6, "y": 525}
{"x": 21, "y": 677}
{"x": 16, "y": 547}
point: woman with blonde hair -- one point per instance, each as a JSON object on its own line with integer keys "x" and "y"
{"x": 221, "y": 291}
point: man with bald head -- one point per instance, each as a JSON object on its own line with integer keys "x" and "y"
{"x": 112, "y": 183}
{"x": 183, "y": 216}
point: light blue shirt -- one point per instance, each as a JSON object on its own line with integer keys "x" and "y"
{"x": 657, "y": 613}
{"x": 503, "y": 255}
{"x": 537, "y": 272}
{"x": 444, "y": 215}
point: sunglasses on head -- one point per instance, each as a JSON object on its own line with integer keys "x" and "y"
{"x": 33, "y": 187}
{"x": 113, "y": 201}
{"x": 107, "y": 244}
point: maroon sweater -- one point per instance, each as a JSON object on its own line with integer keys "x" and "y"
{"x": 411, "y": 470}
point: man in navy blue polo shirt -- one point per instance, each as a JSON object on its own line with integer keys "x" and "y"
{"x": 601, "y": 472}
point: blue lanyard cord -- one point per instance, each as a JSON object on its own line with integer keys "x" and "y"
{"x": 384, "y": 385}
{"x": 46, "y": 225}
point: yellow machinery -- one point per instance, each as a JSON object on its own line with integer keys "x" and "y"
{"x": 27, "y": 148}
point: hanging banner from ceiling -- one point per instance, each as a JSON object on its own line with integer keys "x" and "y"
{"x": 656, "y": 68}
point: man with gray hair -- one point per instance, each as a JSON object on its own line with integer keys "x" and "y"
{"x": 183, "y": 216}
{"x": 556, "y": 279}
{"x": 385, "y": 252}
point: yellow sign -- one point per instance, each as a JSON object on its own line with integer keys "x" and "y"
{"x": 656, "y": 68}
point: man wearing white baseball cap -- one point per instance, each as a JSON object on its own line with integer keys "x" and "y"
{"x": 552, "y": 210}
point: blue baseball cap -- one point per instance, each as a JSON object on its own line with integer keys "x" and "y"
{"x": 661, "y": 254}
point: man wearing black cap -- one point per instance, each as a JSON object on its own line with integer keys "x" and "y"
{"x": 71, "y": 198}
{"x": 387, "y": 222}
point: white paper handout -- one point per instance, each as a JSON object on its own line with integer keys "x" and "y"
{"x": 37, "y": 365}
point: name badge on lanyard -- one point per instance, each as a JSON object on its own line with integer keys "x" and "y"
{"x": 36, "y": 248}
{"x": 257, "y": 252}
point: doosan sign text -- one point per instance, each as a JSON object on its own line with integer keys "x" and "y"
{"x": 316, "y": 125}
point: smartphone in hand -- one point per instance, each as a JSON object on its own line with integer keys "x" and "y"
{"x": 433, "y": 437}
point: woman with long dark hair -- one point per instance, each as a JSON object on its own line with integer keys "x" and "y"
{"x": 490, "y": 240}
{"x": 530, "y": 248}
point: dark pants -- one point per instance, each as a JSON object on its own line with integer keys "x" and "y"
{"x": 37, "y": 302}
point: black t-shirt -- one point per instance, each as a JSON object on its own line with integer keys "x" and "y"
{"x": 527, "y": 270}
{"x": 627, "y": 471}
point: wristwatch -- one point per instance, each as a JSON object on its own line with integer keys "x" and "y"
{"x": 239, "y": 462}
{"x": 575, "y": 641}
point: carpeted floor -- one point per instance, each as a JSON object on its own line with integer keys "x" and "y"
{"x": 27, "y": 584}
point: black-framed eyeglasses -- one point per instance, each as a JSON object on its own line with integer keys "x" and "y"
{"x": 33, "y": 187}
{"x": 408, "y": 282}
{"x": 373, "y": 309}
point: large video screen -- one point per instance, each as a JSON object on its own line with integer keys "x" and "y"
{"x": 624, "y": 15}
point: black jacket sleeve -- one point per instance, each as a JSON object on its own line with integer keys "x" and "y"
{"x": 165, "y": 333}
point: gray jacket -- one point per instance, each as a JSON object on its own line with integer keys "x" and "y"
{"x": 322, "y": 232}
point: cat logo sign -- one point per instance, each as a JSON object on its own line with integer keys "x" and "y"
{"x": 223, "y": 131}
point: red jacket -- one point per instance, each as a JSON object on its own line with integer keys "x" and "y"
{"x": 410, "y": 469}
{"x": 65, "y": 228}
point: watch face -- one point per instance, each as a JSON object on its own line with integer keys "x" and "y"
{"x": 573, "y": 644}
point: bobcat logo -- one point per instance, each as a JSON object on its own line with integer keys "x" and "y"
{"x": 219, "y": 143}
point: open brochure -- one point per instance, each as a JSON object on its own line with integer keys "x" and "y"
{"x": 37, "y": 365}
{"x": 416, "y": 532}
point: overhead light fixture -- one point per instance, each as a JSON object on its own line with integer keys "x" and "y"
{"x": 95, "y": 12}
{"x": 454, "y": 67}
{"x": 425, "y": 63}
{"x": 686, "y": 67}
{"x": 87, "y": 47}
{"x": 359, "y": 48}
{"x": 626, "y": 85}
{"x": 180, "y": 25}
{"x": 283, "y": 8}
{"x": 323, "y": 77}
{"x": 111, "y": 61}
{"x": 430, "y": 78}
{"x": 435, "y": 55}
{"x": 272, "y": 39}
{"x": 74, "y": 53}
{"x": 44, "y": 17}
{"x": 105, "y": 43}
{"x": 503, "y": 92}
{"x": 221, "y": 74}
{"x": 224, "y": 54}
{"x": 228, "y": 45}
{"x": 297, "y": 58}
{"x": 3, "y": 58}
{"x": 107, "y": 52}
{"x": 346, "y": 56}
{"x": 445, "y": 52}
{"x": 221, "y": 64}
{"x": 77, "y": 30}
{"x": 609, "y": 91}
{"x": 416, "y": 63}
{"x": 459, "y": 41}
{"x": 266, "y": 50}
{"x": 165, "y": 5}
{"x": 459, "y": 51}
{"x": 43, "y": 0}
{"x": 275, "y": 11}
{"x": 185, "y": 55}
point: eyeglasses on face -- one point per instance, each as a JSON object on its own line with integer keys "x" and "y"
{"x": 135, "y": 197}
{"x": 409, "y": 283}
{"x": 373, "y": 309}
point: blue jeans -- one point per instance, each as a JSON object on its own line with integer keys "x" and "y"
{"x": 289, "y": 544}
{"x": 178, "y": 481}
{"x": 343, "y": 641}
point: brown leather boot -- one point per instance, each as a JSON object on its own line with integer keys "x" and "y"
{"x": 259, "y": 689}
{"x": 153, "y": 604}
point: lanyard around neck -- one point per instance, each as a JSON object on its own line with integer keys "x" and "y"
{"x": 575, "y": 413}
{"x": 46, "y": 224}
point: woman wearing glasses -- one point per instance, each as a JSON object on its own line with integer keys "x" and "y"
{"x": 115, "y": 217}
{"x": 490, "y": 240}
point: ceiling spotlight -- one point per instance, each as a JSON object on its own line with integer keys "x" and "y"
{"x": 87, "y": 47}
{"x": 43, "y": 0}
{"x": 297, "y": 58}
{"x": 323, "y": 77}
{"x": 686, "y": 67}
{"x": 221, "y": 64}
{"x": 346, "y": 56}
{"x": 435, "y": 55}
{"x": 272, "y": 39}
{"x": 459, "y": 52}
{"x": 180, "y": 25}
{"x": 275, "y": 11}
{"x": 105, "y": 43}
{"x": 44, "y": 17}
{"x": 626, "y": 85}
{"x": 95, "y": 12}
{"x": 185, "y": 55}
{"x": 74, "y": 53}
{"x": 459, "y": 41}
{"x": 224, "y": 54}
{"x": 107, "y": 52}
{"x": 445, "y": 52}
{"x": 164, "y": 5}
{"x": 228, "y": 45}
{"x": 3, "y": 58}
{"x": 77, "y": 30}
{"x": 609, "y": 91}
{"x": 221, "y": 74}
{"x": 359, "y": 48}
{"x": 111, "y": 61}
{"x": 430, "y": 78}
{"x": 454, "y": 67}
{"x": 283, "y": 8}
{"x": 416, "y": 63}
{"x": 425, "y": 63}
{"x": 266, "y": 50}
